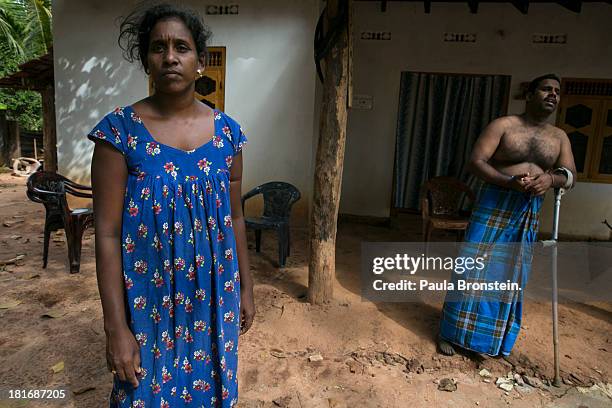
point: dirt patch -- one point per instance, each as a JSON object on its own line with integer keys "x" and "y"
{"x": 347, "y": 353}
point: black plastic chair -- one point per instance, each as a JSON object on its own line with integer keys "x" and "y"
{"x": 50, "y": 189}
{"x": 278, "y": 198}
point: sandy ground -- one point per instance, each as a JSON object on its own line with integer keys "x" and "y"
{"x": 372, "y": 355}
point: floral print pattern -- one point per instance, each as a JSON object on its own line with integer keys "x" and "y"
{"x": 178, "y": 247}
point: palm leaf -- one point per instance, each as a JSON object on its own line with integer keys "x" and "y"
{"x": 38, "y": 37}
{"x": 11, "y": 29}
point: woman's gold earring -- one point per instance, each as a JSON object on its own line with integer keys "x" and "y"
{"x": 200, "y": 74}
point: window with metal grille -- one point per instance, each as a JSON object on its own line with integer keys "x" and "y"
{"x": 585, "y": 113}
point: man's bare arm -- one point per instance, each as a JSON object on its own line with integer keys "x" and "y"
{"x": 540, "y": 184}
{"x": 483, "y": 150}
{"x": 566, "y": 159}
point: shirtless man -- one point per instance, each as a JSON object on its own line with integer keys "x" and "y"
{"x": 520, "y": 151}
{"x": 519, "y": 157}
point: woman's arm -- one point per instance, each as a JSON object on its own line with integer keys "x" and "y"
{"x": 108, "y": 178}
{"x": 247, "y": 303}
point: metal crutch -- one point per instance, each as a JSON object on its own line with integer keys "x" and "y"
{"x": 555, "y": 291}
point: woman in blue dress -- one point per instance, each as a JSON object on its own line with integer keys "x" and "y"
{"x": 171, "y": 254}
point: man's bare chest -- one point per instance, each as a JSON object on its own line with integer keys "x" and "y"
{"x": 521, "y": 145}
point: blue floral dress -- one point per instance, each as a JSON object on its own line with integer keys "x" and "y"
{"x": 179, "y": 264}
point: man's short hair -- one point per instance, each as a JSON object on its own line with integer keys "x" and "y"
{"x": 533, "y": 85}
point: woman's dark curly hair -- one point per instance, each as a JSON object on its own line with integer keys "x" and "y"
{"x": 135, "y": 29}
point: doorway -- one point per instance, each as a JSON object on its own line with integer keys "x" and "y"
{"x": 440, "y": 116}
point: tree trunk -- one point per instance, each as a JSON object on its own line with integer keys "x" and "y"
{"x": 328, "y": 169}
{"x": 49, "y": 135}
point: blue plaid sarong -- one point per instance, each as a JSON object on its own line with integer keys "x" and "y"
{"x": 504, "y": 223}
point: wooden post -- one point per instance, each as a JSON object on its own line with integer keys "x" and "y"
{"x": 49, "y": 135}
{"x": 328, "y": 166}
{"x": 4, "y": 134}
{"x": 12, "y": 147}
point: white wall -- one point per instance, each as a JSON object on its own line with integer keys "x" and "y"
{"x": 270, "y": 82}
{"x": 503, "y": 47}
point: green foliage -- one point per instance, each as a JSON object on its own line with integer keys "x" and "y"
{"x": 11, "y": 24}
{"x": 25, "y": 33}
{"x": 24, "y": 107}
